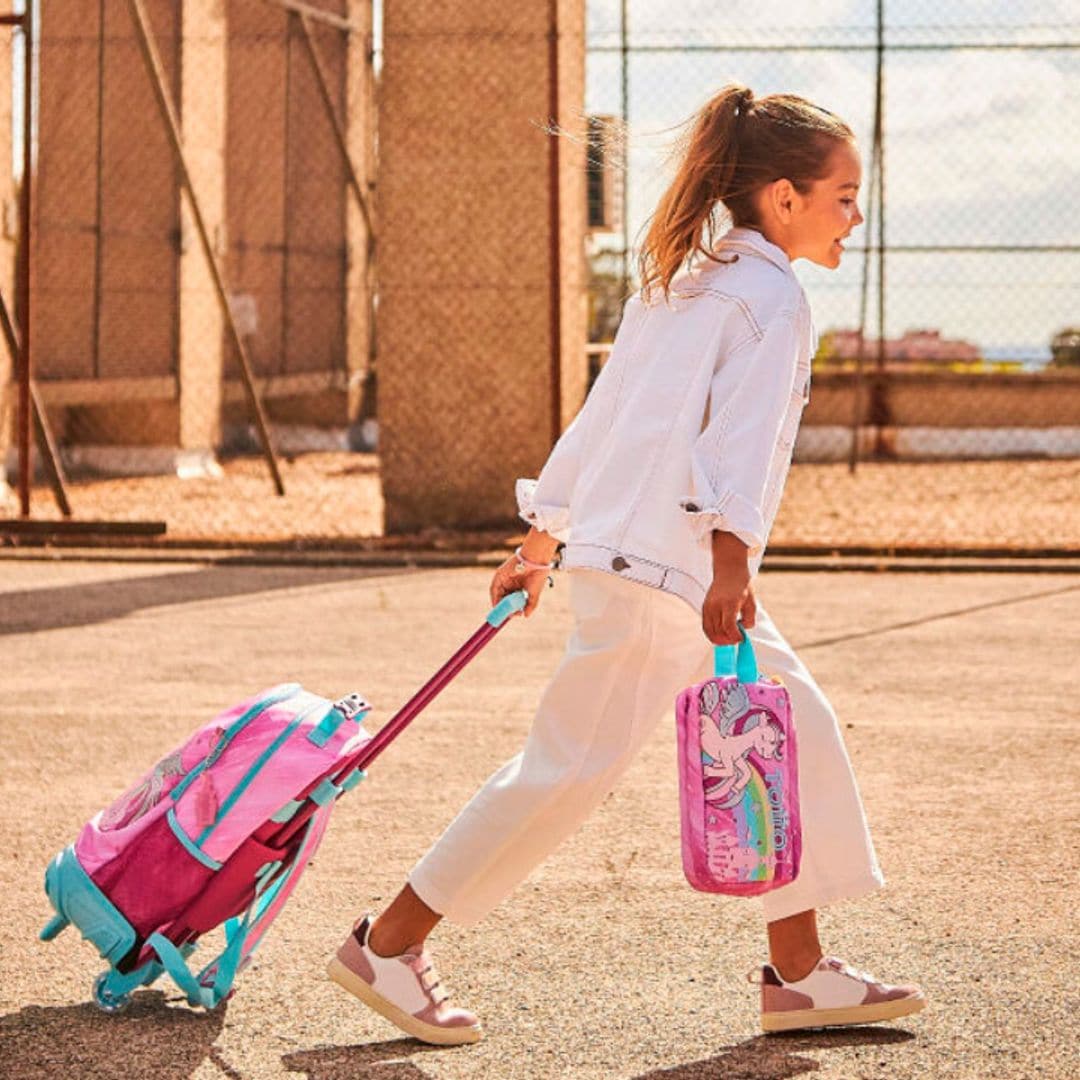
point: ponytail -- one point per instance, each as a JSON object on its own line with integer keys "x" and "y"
{"x": 735, "y": 146}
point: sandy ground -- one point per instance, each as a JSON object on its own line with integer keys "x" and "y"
{"x": 957, "y": 698}
{"x": 1019, "y": 505}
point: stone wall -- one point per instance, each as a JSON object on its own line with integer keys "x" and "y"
{"x": 466, "y": 388}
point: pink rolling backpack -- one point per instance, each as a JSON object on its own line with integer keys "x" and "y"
{"x": 219, "y": 832}
{"x": 738, "y": 779}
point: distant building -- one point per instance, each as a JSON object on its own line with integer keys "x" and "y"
{"x": 915, "y": 347}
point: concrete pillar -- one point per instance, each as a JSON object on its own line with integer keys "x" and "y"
{"x": 465, "y": 384}
{"x": 360, "y": 119}
{"x": 66, "y": 207}
{"x": 202, "y": 110}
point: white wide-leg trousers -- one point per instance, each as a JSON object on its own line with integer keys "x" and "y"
{"x": 632, "y": 650}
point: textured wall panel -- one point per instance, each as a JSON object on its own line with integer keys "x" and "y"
{"x": 466, "y": 393}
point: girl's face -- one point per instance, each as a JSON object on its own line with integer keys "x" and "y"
{"x": 822, "y": 219}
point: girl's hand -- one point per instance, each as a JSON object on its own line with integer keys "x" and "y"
{"x": 538, "y": 547}
{"x": 508, "y": 580}
{"x": 731, "y": 595}
{"x": 726, "y": 604}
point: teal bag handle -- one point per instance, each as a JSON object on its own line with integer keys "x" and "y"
{"x": 738, "y": 660}
{"x": 509, "y": 605}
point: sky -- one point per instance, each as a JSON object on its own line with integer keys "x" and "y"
{"x": 982, "y": 145}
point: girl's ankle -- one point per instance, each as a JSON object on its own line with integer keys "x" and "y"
{"x": 387, "y": 941}
{"x": 796, "y": 968}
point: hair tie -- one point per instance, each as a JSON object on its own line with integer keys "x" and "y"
{"x": 744, "y": 102}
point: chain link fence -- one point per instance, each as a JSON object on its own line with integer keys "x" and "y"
{"x": 202, "y": 261}
{"x": 246, "y": 210}
{"x": 949, "y": 335}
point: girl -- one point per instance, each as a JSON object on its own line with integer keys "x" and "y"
{"x": 663, "y": 490}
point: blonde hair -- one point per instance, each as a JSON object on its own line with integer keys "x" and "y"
{"x": 735, "y": 146}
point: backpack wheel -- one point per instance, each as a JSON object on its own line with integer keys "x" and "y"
{"x": 105, "y": 999}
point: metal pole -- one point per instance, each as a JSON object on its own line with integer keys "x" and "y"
{"x": 864, "y": 303}
{"x": 286, "y": 201}
{"x": 371, "y": 164}
{"x": 99, "y": 196}
{"x": 554, "y": 220}
{"x": 172, "y": 128}
{"x": 874, "y": 212}
{"x": 881, "y": 405}
{"x": 22, "y": 301}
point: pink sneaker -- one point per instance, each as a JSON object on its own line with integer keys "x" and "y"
{"x": 405, "y": 989}
{"x": 833, "y": 994}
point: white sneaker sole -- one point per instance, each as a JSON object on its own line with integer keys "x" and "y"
{"x": 854, "y": 1014}
{"x": 418, "y": 1029}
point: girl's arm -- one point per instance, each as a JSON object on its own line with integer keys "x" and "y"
{"x": 730, "y": 598}
{"x": 749, "y": 396}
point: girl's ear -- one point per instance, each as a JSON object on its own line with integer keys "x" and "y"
{"x": 784, "y": 199}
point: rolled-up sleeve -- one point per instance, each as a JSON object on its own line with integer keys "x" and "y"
{"x": 749, "y": 397}
{"x": 545, "y": 501}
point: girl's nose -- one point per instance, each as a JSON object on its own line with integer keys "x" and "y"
{"x": 859, "y": 219}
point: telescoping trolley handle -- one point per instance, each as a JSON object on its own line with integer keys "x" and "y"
{"x": 495, "y": 621}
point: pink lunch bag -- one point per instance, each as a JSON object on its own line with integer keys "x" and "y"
{"x": 738, "y": 779}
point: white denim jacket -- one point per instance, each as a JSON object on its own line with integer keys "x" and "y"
{"x": 689, "y": 428}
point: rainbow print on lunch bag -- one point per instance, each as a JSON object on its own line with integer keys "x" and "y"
{"x": 738, "y": 779}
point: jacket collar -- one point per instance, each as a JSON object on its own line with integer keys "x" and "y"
{"x": 750, "y": 239}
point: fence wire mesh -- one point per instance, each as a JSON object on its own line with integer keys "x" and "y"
{"x": 953, "y": 339}
{"x": 373, "y": 196}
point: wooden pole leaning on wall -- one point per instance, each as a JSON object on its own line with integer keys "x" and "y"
{"x": 335, "y": 121}
{"x": 298, "y": 7}
{"x": 46, "y": 442}
{"x": 172, "y": 126}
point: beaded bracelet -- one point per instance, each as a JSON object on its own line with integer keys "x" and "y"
{"x": 524, "y": 564}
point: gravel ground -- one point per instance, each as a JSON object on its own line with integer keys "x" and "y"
{"x": 957, "y": 697}
{"x": 1031, "y": 504}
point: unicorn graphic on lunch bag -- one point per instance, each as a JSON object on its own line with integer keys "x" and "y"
{"x": 724, "y": 749}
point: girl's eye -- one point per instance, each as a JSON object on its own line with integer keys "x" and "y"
{"x": 848, "y": 202}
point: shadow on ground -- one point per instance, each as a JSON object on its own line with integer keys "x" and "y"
{"x": 32, "y": 610}
{"x": 384, "y": 1060}
{"x": 775, "y": 1057}
{"x": 78, "y": 1041}
{"x": 766, "y": 1057}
